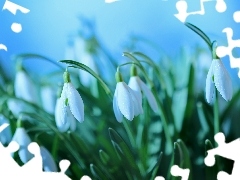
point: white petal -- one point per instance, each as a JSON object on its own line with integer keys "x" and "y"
{"x": 136, "y": 102}
{"x": 134, "y": 84}
{"x": 21, "y": 137}
{"x": 61, "y": 116}
{"x": 124, "y": 101}
{"x": 222, "y": 80}
{"x": 116, "y": 110}
{"x": 75, "y": 102}
{"x": 24, "y": 87}
{"x": 71, "y": 120}
{"x": 49, "y": 164}
{"x": 151, "y": 99}
{"x": 210, "y": 88}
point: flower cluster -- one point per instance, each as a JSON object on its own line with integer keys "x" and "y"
{"x": 127, "y": 99}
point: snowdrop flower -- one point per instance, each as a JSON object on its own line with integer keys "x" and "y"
{"x": 24, "y": 87}
{"x": 48, "y": 98}
{"x": 5, "y": 135}
{"x": 49, "y": 164}
{"x": 21, "y": 137}
{"x": 70, "y": 98}
{"x": 63, "y": 117}
{"x": 219, "y": 76}
{"x": 136, "y": 84}
{"x": 125, "y": 101}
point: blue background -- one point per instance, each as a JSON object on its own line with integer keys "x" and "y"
{"x": 49, "y": 23}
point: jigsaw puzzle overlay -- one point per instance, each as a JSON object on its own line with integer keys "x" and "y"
{"x": 227, "y": 51}
{"x": 13, "y": 8}
{"x": 226, "y": 150}
{"x": 33, "y": 169}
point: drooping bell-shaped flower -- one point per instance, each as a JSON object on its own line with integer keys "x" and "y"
{"x": 218, "y": 76}
{"x": 21, "y": 137}
{"x": 72, "y": 99}
{"x": 136, "y": 84}
{"x": 24, "y": 87}
{"x": 49, "y": 164}
{"x": 63, "y": 117}
{"x": 5, "y": 134}
{"x": 126, "y": 102}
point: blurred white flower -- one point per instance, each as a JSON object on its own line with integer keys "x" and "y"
{"x": 6, "y": 134}
{"x": 136, "y": 84}
{"x": 24, "y": 87}
{"x": 126, "y": 102}
{"x": 78, "y": 51}
{"x": 86, "y": 78}
{"x": 63, "y": 117}
{"x": 49, "y": 164}
{"x": 48, "y": 98}
{"x": 219, "y": 76}
{"x": 72, "y": 99}
{"x": 15, "y": 106}
{"x": 21, "y": 137}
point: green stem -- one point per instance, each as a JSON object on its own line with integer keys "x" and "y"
{"x": 129, "y": 133}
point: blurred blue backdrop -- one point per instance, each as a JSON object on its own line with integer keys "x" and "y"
{"x": 49, "y": 23}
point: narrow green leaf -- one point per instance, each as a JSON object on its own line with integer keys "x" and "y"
{"x": 184, "y": 155}
{"x": 81, "y": 66}
{"x": 200, "y": 33}
{"x": 97, "y": 173}
{"x": 104, "y": 157}
{"x": 153, "y": 170}
{"x": 124, "y": 150}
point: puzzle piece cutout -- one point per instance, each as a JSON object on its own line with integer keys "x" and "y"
{"x": 176, "y": 171}
{"x": 159, "y": 178}
{"x": 12, "y": 7}
{"x": 3, "y": 47}
{"x": 222, "y": 51}
{"x": 236, "y": 16}
{"x": 226, "y": 150}
{"x": 182, "y": 7}
{"x": 10, "y": 169}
